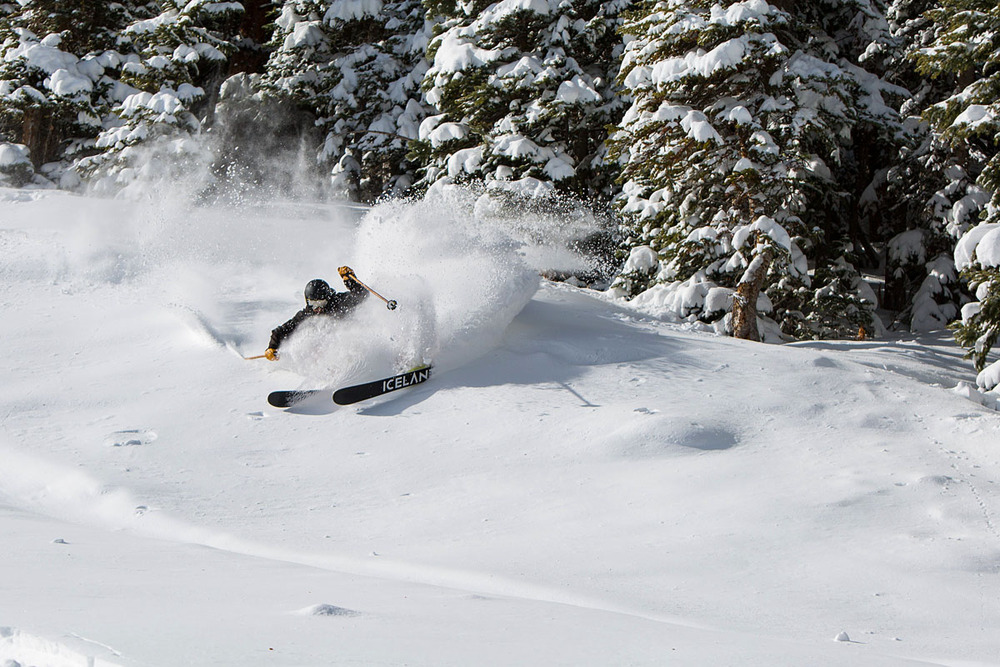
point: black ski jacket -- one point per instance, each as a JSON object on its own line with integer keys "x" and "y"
{"x": 340, "y": 304}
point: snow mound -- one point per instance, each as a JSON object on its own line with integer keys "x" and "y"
{"x": 19, "y": 648}
{"x": 328, "y": 610}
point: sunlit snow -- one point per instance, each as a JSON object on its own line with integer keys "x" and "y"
{"x": 580, "y": 483}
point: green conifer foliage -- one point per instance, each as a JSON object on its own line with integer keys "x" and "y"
{"x": 171, "y": 67}
{"x": 55, "y": 77}
{"x": 980, "y": 325}
{"x": 928, "y": 198}
{"x": 967, "y": 47}
{"x": 738, "y": 145}
{"x": 357, "y": 67}
{"x": 524, "y": 90}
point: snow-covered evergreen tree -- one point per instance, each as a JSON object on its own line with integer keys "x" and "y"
{"x": 57, "y": 79}
{"x": 172, "y": 65}
{"x": 967, "y": 47}
{"x": 524, "y": 90}
{"x": 978, "y": 257}
{"x": 738, "y": 148}
{"x": 927, "y": 199}
{"x": 356, "y": 65}
{"x": 932, "y": 202}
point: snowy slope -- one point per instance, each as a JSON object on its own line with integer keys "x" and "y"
{"x": 579, "y": 484}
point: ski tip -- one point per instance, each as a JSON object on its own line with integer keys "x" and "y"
{"x": 287, "y": 399}
{"x": 279, "y": 399}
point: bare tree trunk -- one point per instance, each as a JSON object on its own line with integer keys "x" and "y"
{"x": 39, "y": 135}
{"x": 745, "y": 299}
{"x": 254, "y": 28}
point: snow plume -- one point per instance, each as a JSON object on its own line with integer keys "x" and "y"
{"x": 160, "y": 151}
{"x": 225, "y": 276}
{"x": 459, "y": 279}
{"x": 461, "y": 262}
{"x": 171, "y": 165}
{"x": 254, "y": 165}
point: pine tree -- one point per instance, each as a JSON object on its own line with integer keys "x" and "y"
{"x": 172, "y": 66}
{"x": 927, "y": 200}
{"x": 932, "y": 202}
{"x": 736, "y": 152}
{"x": 54, "y": 76}
{"x": 967, "y": 47}
{"x": 524, "y": 91}
{"x": 978, "y": 257}
{"x": 357, "y": 67}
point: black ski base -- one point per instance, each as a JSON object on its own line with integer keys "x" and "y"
{"x": 364, "y": 391}
{"x": 286, "y": 399}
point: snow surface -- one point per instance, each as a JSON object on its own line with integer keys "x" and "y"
{"x": 578, "y": 484}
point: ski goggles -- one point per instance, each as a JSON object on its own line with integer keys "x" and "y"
{"x": 316, "y": 304}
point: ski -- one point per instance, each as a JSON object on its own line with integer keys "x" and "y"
{"x": 288, "y": 398}
{"x": 366, "y": 390}
{"x": 354, "y": 393}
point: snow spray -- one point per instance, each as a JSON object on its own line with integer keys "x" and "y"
{"x": 459, "y": 279}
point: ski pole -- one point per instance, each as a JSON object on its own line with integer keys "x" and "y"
{"x": 389, "y": 303}
{"x": 259, "y": 356}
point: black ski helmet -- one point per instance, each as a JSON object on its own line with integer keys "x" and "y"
{"x": 318, "y": 290}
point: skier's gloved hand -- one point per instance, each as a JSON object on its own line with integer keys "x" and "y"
{"x": 346, "y": 273}
{"x": 271, "y": 354}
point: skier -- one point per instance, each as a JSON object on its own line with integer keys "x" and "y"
{"x": 321, "y": 299}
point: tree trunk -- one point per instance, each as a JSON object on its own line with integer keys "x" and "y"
{"x": 255, "y": 29}
{"x": 39, "y": 135}
{"x": 745, "y": 299}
